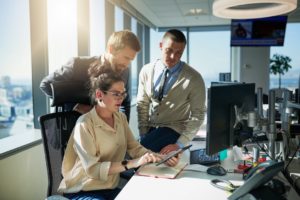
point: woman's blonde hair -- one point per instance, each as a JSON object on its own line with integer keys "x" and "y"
{"x": 121, "y": 39}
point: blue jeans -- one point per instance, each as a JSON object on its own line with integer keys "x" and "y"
{"x": 158, "y": 138}
{"x": 108, "y": 194}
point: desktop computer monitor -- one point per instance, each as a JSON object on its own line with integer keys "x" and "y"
{"x": 221, "y": 132}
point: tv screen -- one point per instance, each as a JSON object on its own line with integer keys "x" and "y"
{"x": 268, "y": 31}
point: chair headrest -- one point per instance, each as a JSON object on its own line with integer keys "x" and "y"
{"x": 69, "y": 92}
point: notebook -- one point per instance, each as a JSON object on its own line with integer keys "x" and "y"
{"x": 161, "y": 171}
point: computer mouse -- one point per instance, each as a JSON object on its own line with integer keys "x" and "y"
{"x": 216, "y": 170}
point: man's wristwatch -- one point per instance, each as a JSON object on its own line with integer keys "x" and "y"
{"x": 124, "y": 163}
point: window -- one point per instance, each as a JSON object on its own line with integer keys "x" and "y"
{"x": 119, "y": 22}
{"x": 16, "y": 115}
{"x": 291, "y": 48}
{"x": 62, "y": 32}
{"x": 134, "y": 67}
{"x": 97, "y": 26}
{"x": 155, "y": 39}
{"x": 210, "y": 54}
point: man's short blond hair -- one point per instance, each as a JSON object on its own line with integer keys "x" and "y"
{"x": 121, "y": 39}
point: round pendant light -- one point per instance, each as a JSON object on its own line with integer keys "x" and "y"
{"x": 246, "y": 9}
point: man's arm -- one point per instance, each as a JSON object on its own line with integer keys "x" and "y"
{"x": 197, "y": 105}
{"x": 63, "y": 74}
{"x": 143, "y": 103}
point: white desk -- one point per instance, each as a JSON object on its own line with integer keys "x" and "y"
{"x": 188, "y": 185}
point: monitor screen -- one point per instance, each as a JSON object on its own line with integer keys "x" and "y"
{"x": 222, "y": 98}
{"x": 258, "y": 32}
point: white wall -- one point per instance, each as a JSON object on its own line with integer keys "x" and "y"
{"x": 24, "y": 175}
{"x": 251, "y": 65}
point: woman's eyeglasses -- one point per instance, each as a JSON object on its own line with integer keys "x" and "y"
{"x": 117, "y": 95}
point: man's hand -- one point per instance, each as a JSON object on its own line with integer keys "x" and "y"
{"x": 167, "y": 149}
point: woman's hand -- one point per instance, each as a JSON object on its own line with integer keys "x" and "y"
{"x": 146, "y": 158}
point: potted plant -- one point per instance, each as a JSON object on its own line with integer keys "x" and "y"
{"x": 279, "y": 64}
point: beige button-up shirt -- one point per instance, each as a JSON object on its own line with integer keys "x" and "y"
{"x": 92, "y": 147}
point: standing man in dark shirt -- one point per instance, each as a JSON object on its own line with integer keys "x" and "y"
{"x": 121, "y": 49}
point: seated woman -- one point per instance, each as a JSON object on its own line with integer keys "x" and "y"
{"x": 95, "y": 153}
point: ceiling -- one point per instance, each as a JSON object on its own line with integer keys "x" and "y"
{"x": 175, "y": 13}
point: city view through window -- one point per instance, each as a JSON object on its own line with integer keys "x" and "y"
{"x": 15, "y": 69}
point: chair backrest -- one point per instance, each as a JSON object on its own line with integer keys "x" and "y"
{"x": 56, "y": 129}
{"x": 69, "y": 92}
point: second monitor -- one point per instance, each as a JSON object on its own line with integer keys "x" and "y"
{"x": 222, "y": 132}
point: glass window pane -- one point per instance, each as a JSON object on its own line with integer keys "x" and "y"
{"x": 62, "y": 32}
{"x": 184, "y": 55}
{"x": 210, "y": 54}
{"x": 16, "y": 114}
{"x": 291, "y": 48}
{"x": 133, "y": 69}
{"x": 97, "y": 25}
{"x": 119, "y": 22}
{"x": 155, "y": 39}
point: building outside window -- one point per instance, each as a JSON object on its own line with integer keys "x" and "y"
{"x": 16, "y": 116}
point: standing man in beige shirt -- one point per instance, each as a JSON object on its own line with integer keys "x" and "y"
{"x": 171, "y": 98}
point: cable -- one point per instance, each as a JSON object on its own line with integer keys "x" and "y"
{"x": 297, "y": 149}
{"x": 226, "y": 185}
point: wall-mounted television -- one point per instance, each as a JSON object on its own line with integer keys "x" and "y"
{"x": 268, "y": 31}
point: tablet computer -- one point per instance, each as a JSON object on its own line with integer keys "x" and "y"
{"x": 173, "y": 153}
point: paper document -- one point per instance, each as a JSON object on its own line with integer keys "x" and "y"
{"x": 161, "y": 171}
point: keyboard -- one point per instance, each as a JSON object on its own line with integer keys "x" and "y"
{"x": 199, "y": 156}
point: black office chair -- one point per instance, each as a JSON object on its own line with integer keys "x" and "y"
{"x": 56, "y": 129}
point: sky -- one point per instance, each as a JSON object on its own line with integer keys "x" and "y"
{"x": 14, "y": 41}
